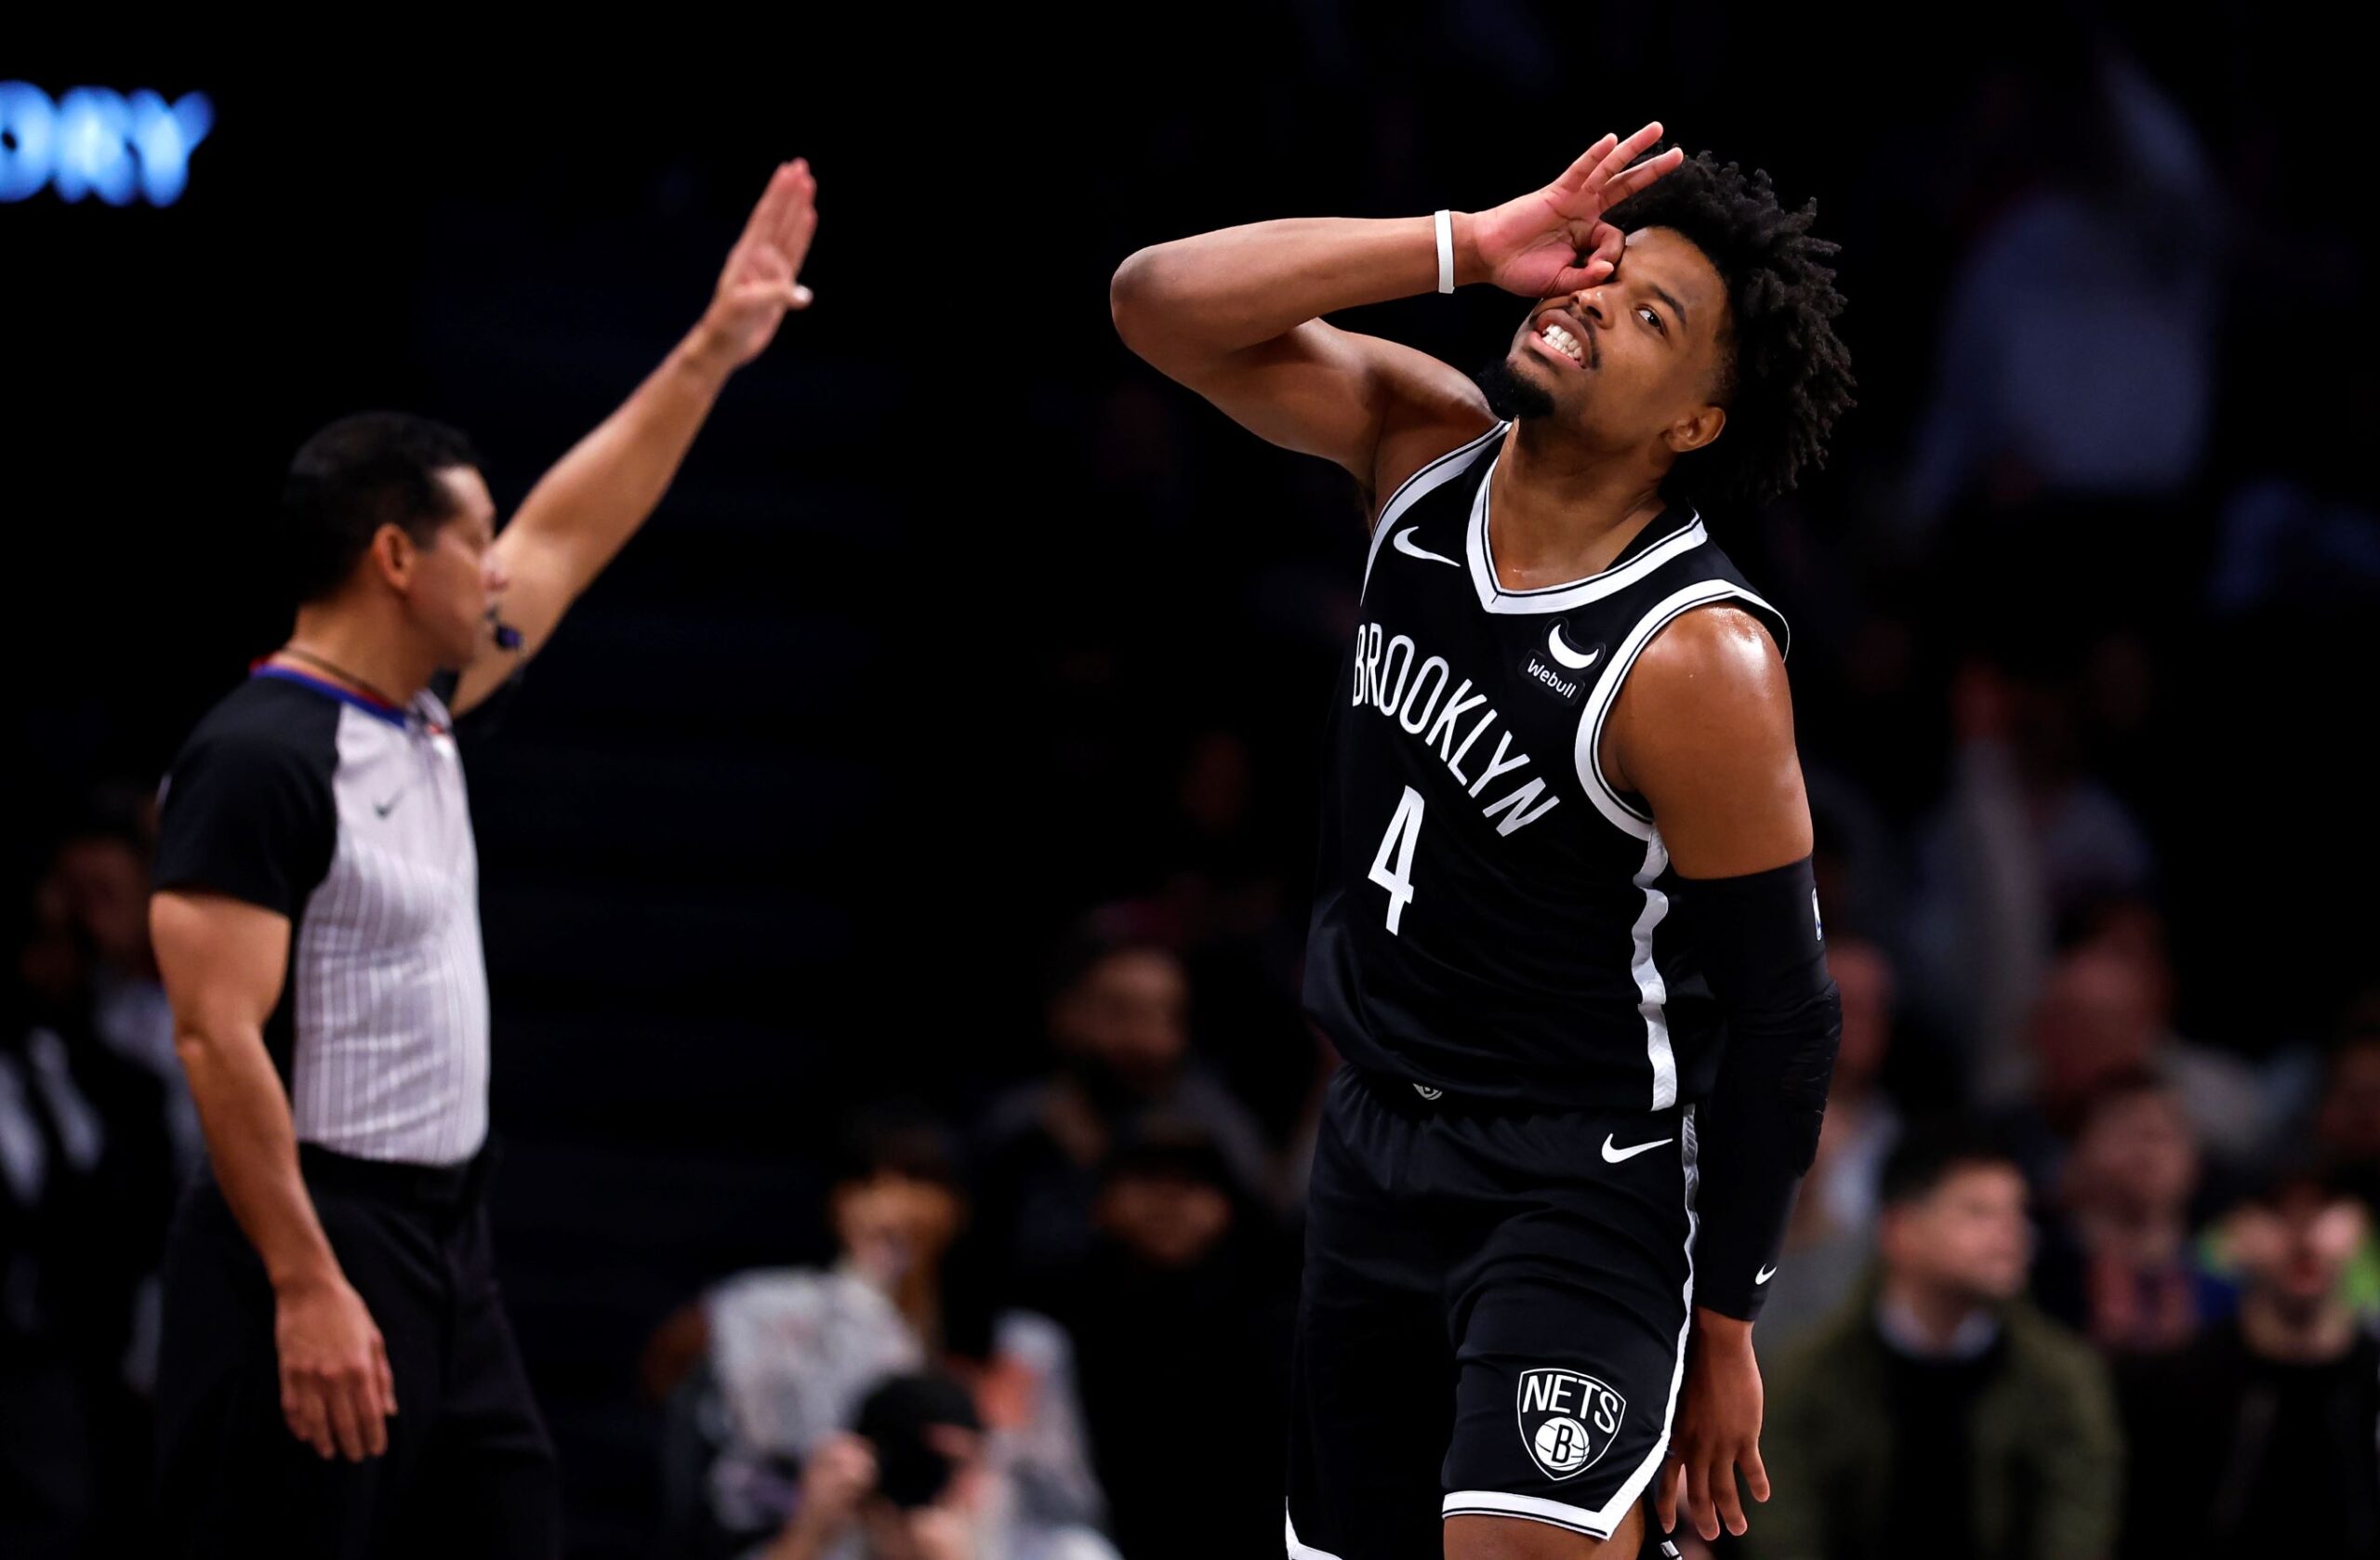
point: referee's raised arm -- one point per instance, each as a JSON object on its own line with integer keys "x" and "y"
{"x": 584, "y": 510}
{"x": 317, "y": 925}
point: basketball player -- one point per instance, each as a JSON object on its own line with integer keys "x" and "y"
{"x": 1564, "y": 931}
{"x": 336, "y": 1378}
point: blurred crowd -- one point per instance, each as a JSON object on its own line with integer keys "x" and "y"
{"x": 2126, "y": 1308}
{"x": 2088, "y": 1265}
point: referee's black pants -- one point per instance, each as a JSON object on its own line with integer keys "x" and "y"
{"x": 469, "y": 1469}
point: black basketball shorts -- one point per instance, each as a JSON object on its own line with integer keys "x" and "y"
{"x": 1492, "y": 1320}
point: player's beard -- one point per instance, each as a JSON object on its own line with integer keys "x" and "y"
{"x": 1511, "y": 396}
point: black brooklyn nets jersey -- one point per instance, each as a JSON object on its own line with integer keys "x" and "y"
{"x": 1492, "y": 918}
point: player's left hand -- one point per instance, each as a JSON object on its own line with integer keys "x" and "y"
{"x": 1718, "y": 1430}
{"x": 760, "y": 282}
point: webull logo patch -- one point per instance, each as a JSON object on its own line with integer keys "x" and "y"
{"x": 1543, "y": 672}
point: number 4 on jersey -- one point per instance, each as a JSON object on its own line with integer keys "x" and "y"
{"x": 1404, "y": 833}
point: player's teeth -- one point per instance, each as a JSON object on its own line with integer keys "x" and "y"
{"x": 1565, "y": 341}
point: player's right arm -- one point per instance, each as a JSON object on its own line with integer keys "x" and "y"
{"x": 1236, "y": 315}
{"x": 223, "y": 962}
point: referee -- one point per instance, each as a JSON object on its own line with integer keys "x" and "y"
{"x": 336, "y": 1376}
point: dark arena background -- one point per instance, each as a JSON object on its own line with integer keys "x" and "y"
{"x": 963, "y": 635}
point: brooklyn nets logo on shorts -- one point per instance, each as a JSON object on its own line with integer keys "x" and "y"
{"x": 1567, "y": 1421}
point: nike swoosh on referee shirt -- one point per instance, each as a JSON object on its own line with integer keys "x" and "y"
{"x": 1613, "y": 1156}
{"x": 1407, "y": 546}
{"x": 1766, "y": 1274}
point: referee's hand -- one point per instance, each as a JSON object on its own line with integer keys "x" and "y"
{"x": 762, "y": 278}
{"x": 337, "y": 1390}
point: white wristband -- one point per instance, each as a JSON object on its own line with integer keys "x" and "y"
{"x": 1445, "y": 251}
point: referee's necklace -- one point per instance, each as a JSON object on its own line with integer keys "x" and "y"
{"x": 339, "y": 671}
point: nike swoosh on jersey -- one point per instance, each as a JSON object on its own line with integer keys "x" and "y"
{"x": 1766, "y": 1274}
{"x": 1567, "y": 656}
{"x": 385, "y": 808}
{"x": 1405, "y": 545}
{"x": 1613, "y": 1156}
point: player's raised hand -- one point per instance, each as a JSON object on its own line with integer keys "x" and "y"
{"x": 762, "y": 280}
{"x": 1554, "y": 240}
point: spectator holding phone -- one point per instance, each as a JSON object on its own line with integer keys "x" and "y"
{"x": 908, "y": 1482}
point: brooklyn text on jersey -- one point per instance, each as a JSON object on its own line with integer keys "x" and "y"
{"x": 1493, "y": 918}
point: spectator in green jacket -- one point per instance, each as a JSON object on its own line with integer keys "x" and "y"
{"x": 1938, "y": 1414}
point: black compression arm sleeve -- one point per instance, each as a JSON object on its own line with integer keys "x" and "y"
{"x": 1764, "y": 956}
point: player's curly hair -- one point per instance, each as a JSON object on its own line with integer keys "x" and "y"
{"x": 1784, "y": 376}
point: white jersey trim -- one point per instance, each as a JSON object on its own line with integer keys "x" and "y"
{"x": 1493, "y": 597}
{"x": 1652, "y": 991}
{"x": 1588, "y": 751}
{"x": 1530, "y": 1507}
{"x": 1597, "y": 1522}
{"x": 1420, "y": 484}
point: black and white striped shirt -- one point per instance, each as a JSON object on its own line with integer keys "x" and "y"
{"x": 349, "y": 818}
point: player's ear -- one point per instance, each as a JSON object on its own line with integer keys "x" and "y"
{"x": 1697, "y": 429}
